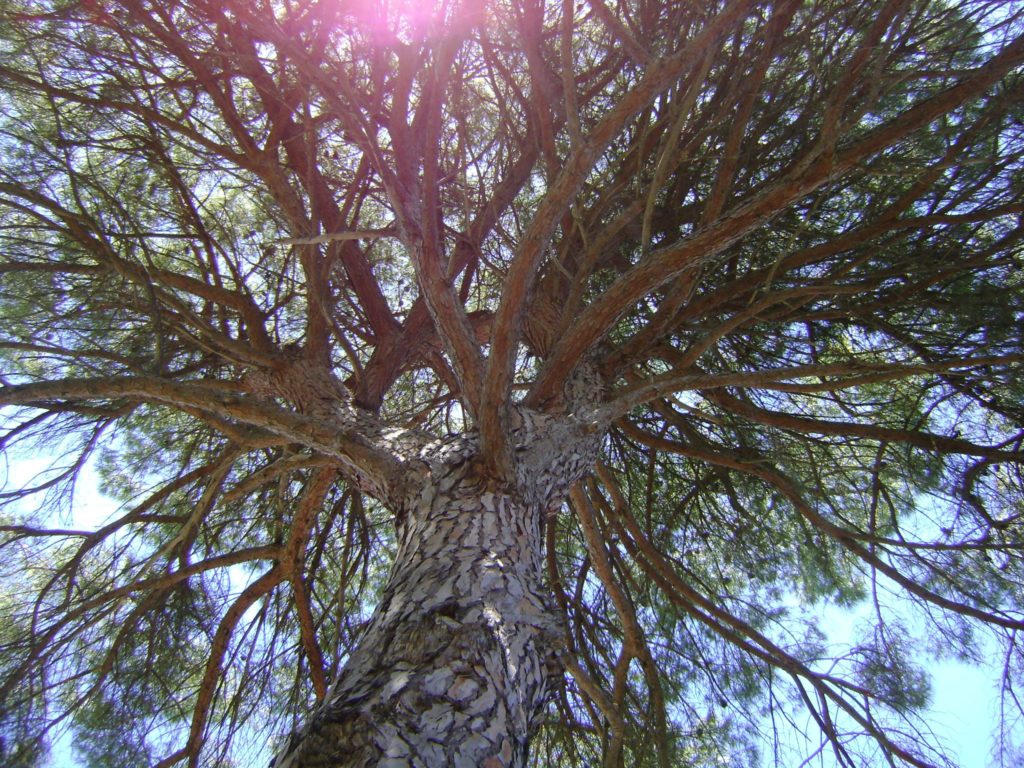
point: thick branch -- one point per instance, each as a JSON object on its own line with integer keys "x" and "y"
{"x": 373, "y": 467}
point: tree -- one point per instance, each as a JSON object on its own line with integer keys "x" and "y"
{"x": 596, "y": 345}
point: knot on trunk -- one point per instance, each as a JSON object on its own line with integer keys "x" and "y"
{"x": 584, "y": 390}
{"x": 553, "y": 451}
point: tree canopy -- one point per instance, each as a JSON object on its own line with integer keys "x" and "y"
{"x": 776, "y": 245}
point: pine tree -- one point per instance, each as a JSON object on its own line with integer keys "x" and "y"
{"x": 507, "y": 383}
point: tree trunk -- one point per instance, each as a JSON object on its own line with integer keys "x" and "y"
{"x": 453, "y": 668}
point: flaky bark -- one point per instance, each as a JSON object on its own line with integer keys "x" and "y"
{"x": 454, "y": 667}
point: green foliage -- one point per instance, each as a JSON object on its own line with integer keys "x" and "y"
{"x": 883, "y": 666}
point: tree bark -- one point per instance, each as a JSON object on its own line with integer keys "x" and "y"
{"x": 453, "y": 668}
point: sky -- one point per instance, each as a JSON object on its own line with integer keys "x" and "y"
{"x": 964, "y": 698}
